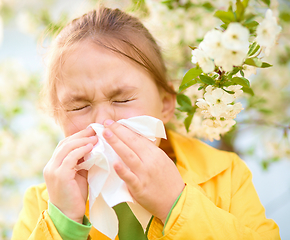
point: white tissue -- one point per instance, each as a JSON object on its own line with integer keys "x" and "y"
{"x": 106, "y": 188}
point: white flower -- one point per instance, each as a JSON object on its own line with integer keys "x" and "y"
{"x": 267, "y": 32}
{"x": 218, "y": 100}
{"x": 229, "y": 48}
{"x": 218, "y": 111}
{"x": 233, "y": 110}
{"x": 235, "y": 88}
{"x": 236, "y": 37}
{"x": 200, "y": 57}
{"x": 218, "y": 104}
{"x": 204, "y": 107}
{"x": 202, "y": 104}
{"x": 214, "y": 128}
{"x": 218, "y": 96}
{"x": 209, "y": 89}
{"x": 212, "y": 43}
{"x": 193, "y": 93}
{"x": 248, "y": 71}
{"x": 230, "y": 58}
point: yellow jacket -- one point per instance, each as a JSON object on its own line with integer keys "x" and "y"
{"x": 218, "y": 202}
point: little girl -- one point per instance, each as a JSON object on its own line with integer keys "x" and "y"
{"x": 106, "y": 66}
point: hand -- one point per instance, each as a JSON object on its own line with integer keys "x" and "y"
{"x": 152, "y": 178}
{"x": 68, "y": 188}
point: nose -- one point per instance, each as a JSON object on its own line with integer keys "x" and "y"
{"x": 102, "y": 113}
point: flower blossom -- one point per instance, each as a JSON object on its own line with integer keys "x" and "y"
{"x": 230, "y": 58}
{"x": 248, "y": 71}
{"x": 212, "y": 43}
{"x": 219, "y": 110}
{"x": 215, "y": 128}
{"x": 268, "y": 31}
{"x": 228, "y": 48}
{"x": 200, "y": 57}
{"x": 217, "y": 101}
{"x": 236, "y": 89}
{"x": 207, "y": 128}
{"x": 236, "y": 37}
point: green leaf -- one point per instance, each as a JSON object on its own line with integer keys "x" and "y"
{"x": 16, "y": 110}
{"x": 249, "y": 17}
{"x": 254, "y": 47}
{"x": 241, "y": 81}
{"x": 230, "y": 92}
{"x": 266, "y": 65}
{"x": 167, "y": 1}
{"x": 265, "y": 165}
{"x": 268, "y": 2}
{"x": 226, "y": 17}
{"x": 240, "y": 10}
{"x": 245, "y": 3}
{"x": 186, "y": 85}
{"x": 285, "y": 16}
{"x": 193, "y": 47}
{"x": 225, "y": 25}
{"x": 184, "y": 103}
{"x": 235, "y": 70}
{"x": 256, "y": 62}
{"x": 208, "y": 6}
{"x": 242, "y": 73}
{"x": 187, "y": 121}
{"x": 207, "y": 80}
{"x": 248, "y": 90}
{"x": 265, "y": 111}
{"x": 187, "y": 80}
{"x": 251, "y": 24}
{"x": 230, "y": 8}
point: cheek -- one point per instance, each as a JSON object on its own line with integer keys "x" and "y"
{"x": 71, "y": 126}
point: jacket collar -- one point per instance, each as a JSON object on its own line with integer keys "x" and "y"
{"x": 197, "y": 160}
{"x": 44, "y": 194}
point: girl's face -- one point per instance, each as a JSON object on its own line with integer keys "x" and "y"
{"x": 97, "y": 84}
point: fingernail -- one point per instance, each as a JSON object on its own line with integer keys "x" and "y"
{"x": 90, "y": 129}
{"x": 93, "y": 137}
{"x": 108, "y": 133}
{"x": 108, "y": 122}
{"x": 89, "y": 145}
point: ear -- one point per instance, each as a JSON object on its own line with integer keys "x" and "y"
{"x": 168, "y": 101}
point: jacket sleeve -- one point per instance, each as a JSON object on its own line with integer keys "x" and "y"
{"x": 34, "y": 222}
{"x": 200, "y": 218}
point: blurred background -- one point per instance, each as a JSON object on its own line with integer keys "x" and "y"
{"x": 28, "y": 136}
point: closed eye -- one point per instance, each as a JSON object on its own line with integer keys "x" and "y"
{"x": 122, "y": 101}
{"x": 78, "y": 108}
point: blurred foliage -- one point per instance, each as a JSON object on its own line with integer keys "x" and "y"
{"x": 27, "y": 138}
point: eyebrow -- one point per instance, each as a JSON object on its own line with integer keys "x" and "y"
{"x": 119, "y": 91}
{"x": 73, "y": 98}
{"x": 116, "y": 91}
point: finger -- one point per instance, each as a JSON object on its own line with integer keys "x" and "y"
{"x": 125, "y": 153}
{"x": 88, "y": 132}
{"x": 62, "y": 151}
{"x": 139, "y": 144}
{"x": 127, "y": 176}
{"x": 71, "y": 160}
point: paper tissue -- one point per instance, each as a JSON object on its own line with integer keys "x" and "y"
{"x": 106, "y": 189}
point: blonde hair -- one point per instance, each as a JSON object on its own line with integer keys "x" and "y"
{"x": 114, "y": 30}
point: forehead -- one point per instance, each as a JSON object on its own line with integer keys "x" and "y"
{"x": 89, "y": 66}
